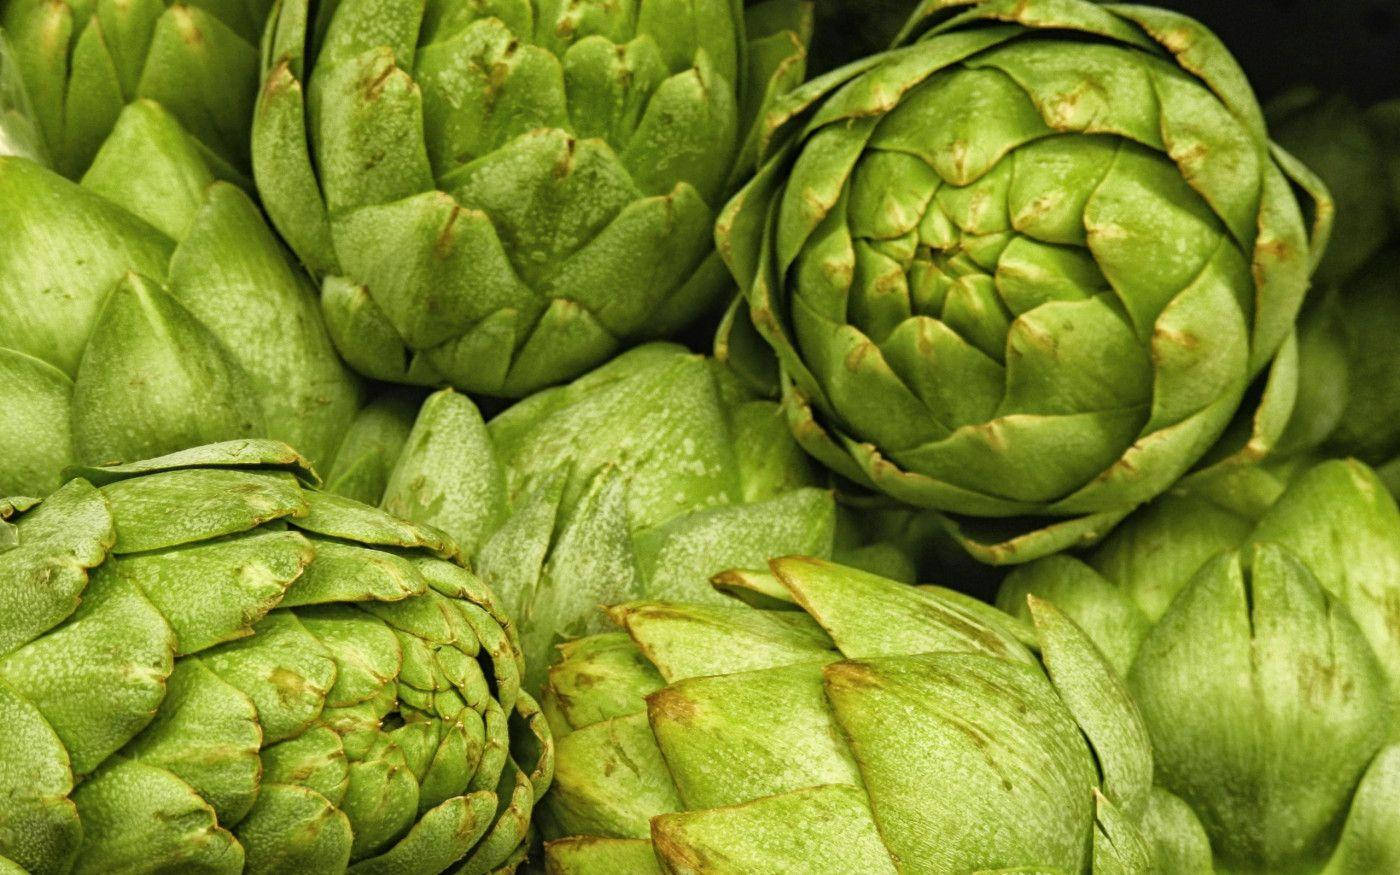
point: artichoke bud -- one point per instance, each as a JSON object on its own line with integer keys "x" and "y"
{"x": 1252, "y": 614}
{"x": 1335, "y": 137}
{"x": 996, "y": 296}
{"x": 232, "y": 671}
{"x": 83, "y": 62}
{"x": 1266, "y": 704}
{"x": 906, "y": 716}
{"x": 182, "y": 320}
{"x": 500, "y": 196}
{"x": 1347, "y": 385}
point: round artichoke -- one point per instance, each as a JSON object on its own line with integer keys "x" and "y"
{"x": 878, "y": 727}
{"x": 151, "y": 309}
{"x": 1253, "y": 616}
{"x": 83, "y": 61}
{"x": 501, "y": 195}
{"x": 641, "y": 479}
{"x": 208, "y": 666}
{"x": 1023, "y": 269}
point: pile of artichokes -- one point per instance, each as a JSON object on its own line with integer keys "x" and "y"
{"x": 715, "y": 436}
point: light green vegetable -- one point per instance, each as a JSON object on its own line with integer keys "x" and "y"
{"x": 1023, "y": 269}
{"x": 83, "y": 61}
{"x": 1253, "y": 616}
{"x": 855, "y": 724}
{"x": 206, "y": 665}
{"x": 641, "y": 479}
{"x": 150, "y": 309}
{"x": 503, "y": 195}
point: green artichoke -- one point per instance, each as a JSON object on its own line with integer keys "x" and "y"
{"x": 878, "y": 727}
{"x": 1253, "y": 616}
{"x": 151, "y": 309}
{"x": 1346, "y": 147}
{"x": 1023, "y": 269}
{"x": 83, "y": 61}
{"x": 1349, "y": 374}
{"x": 502, "y": 194}
{"x": 208, "y": 666}
{"x": 641, "y": 479}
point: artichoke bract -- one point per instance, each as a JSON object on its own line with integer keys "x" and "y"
{"x": 1253, "y": 617}
{"x": 878, "y": 727}
{"x": 207, "y": 665}
{"x": 19, "y": 129}
{"x": 1023, "y": 269}
{"x": 151, "y": 309}
{"x": 83, "y": 61}
{"x": 641, "y": 479}
{"x": 501, "y": 195}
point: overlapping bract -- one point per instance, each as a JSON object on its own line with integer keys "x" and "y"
{"x": 1023, "y": 269}
{"x": 1253, "y": 616}
{"x": 501, "y": 195}
{"x": 19, "y": 128}
{"x": 207, "y": 666}
{"x": 150, "y": 309}
{"x": 83, "y": 61}
{"x": 848, "y": 723}
{"x": 641, "y": 479}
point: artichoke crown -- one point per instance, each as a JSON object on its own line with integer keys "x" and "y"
{"x": 1022, "y": 268}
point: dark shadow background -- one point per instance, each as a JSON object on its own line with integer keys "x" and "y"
{"x": 1337, "y": 45}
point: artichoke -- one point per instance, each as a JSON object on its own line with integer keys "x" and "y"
{"x": 641, "y": 479}
{"x": 501, "y": 195}
{"x": 1023, "y": 269}
{"x": 208, "y": 666}
{"x": 83, "y": 61}
{"x": 876, "y": 728}
{"x": 1253, "y": 616}
{"x": 151, "y": 309}
{"x": 1347, "y": 148}
{"x": 1349, "y": 383}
